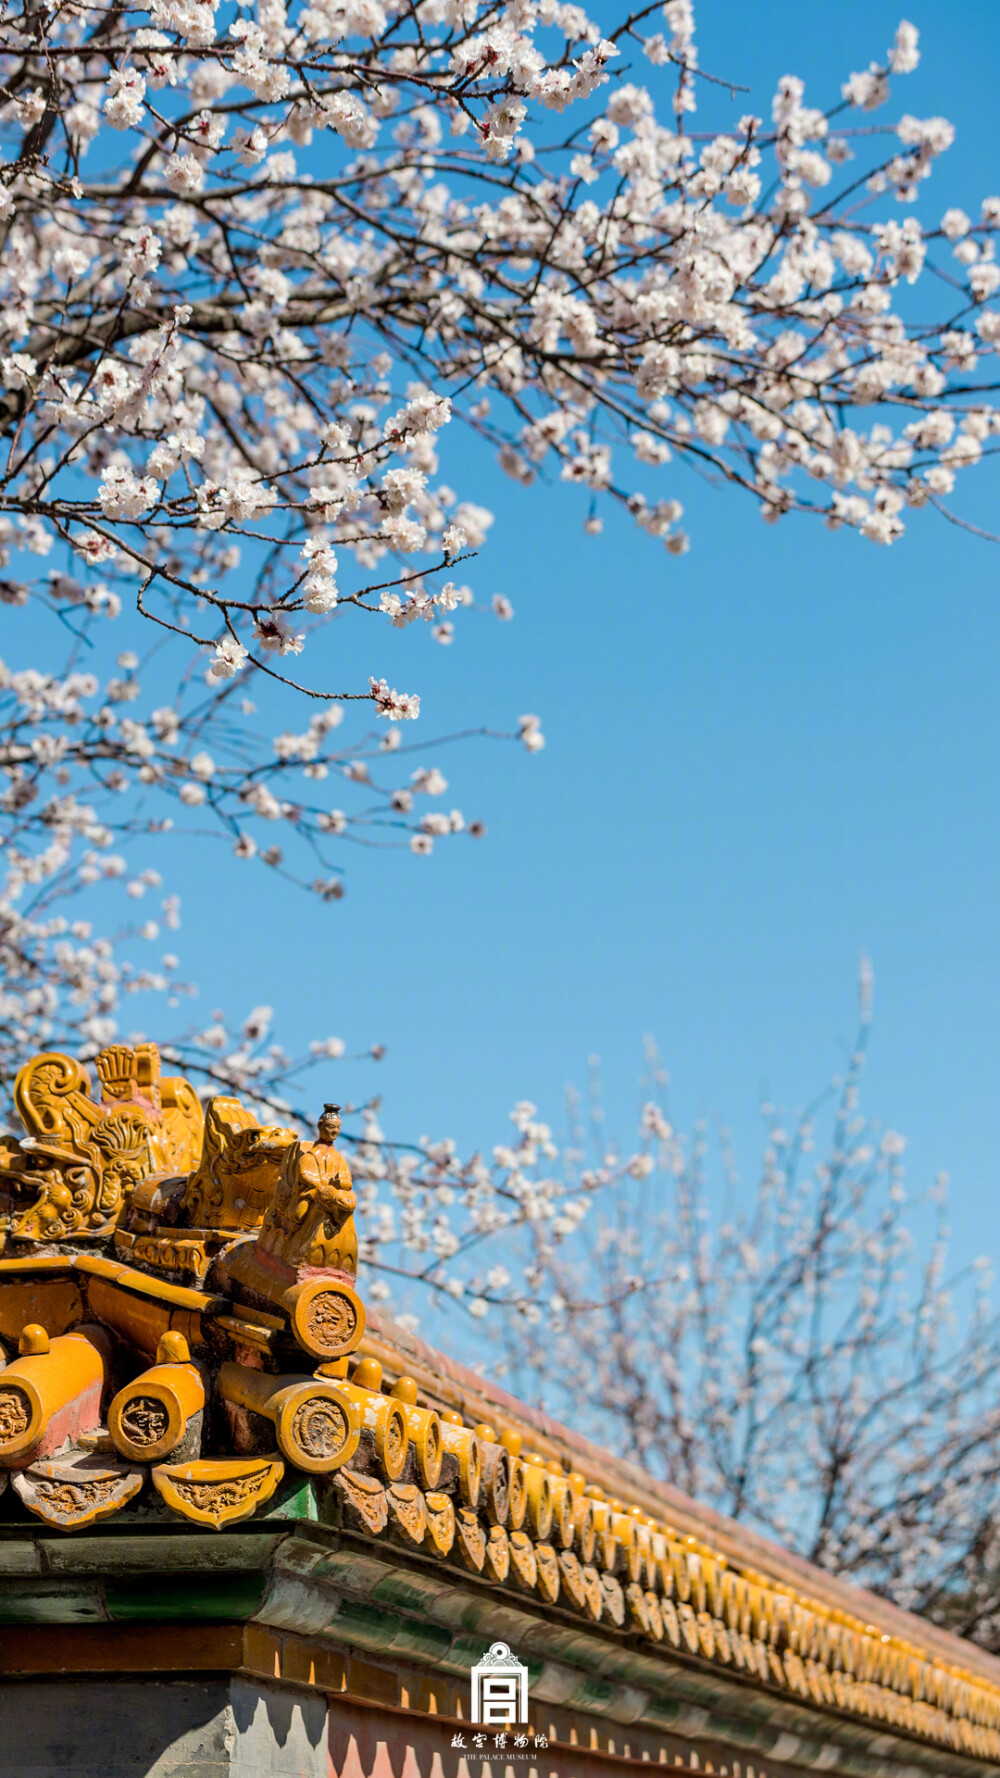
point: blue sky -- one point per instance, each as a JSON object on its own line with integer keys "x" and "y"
{"x": 762, "y": 758}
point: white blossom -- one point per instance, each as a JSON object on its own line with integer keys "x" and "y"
{"x": 397, "y": 706}
{"x": 230, "y": 656}
{"x": 184, "y": 175}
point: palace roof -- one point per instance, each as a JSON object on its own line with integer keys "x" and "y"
{"x": 195, "y": 1393}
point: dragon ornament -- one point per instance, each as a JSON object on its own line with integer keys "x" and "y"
{"x": 72, "y": 1173}
{"x": 177, "y": 1282}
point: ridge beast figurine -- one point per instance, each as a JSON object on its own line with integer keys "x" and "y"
{"x": 171, "y": 1282}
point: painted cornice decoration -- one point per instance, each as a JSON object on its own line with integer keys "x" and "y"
{"x": 181, "y": 1323}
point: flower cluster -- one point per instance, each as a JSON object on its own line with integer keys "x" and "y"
{"x": 96, "y": 775}
{"x": 259, "y": 259}
{"x": 260, "y": 263}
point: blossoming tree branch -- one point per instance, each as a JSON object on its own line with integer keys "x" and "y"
{"x": 255, "y": 259}
{"x": 258, "y": 262}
